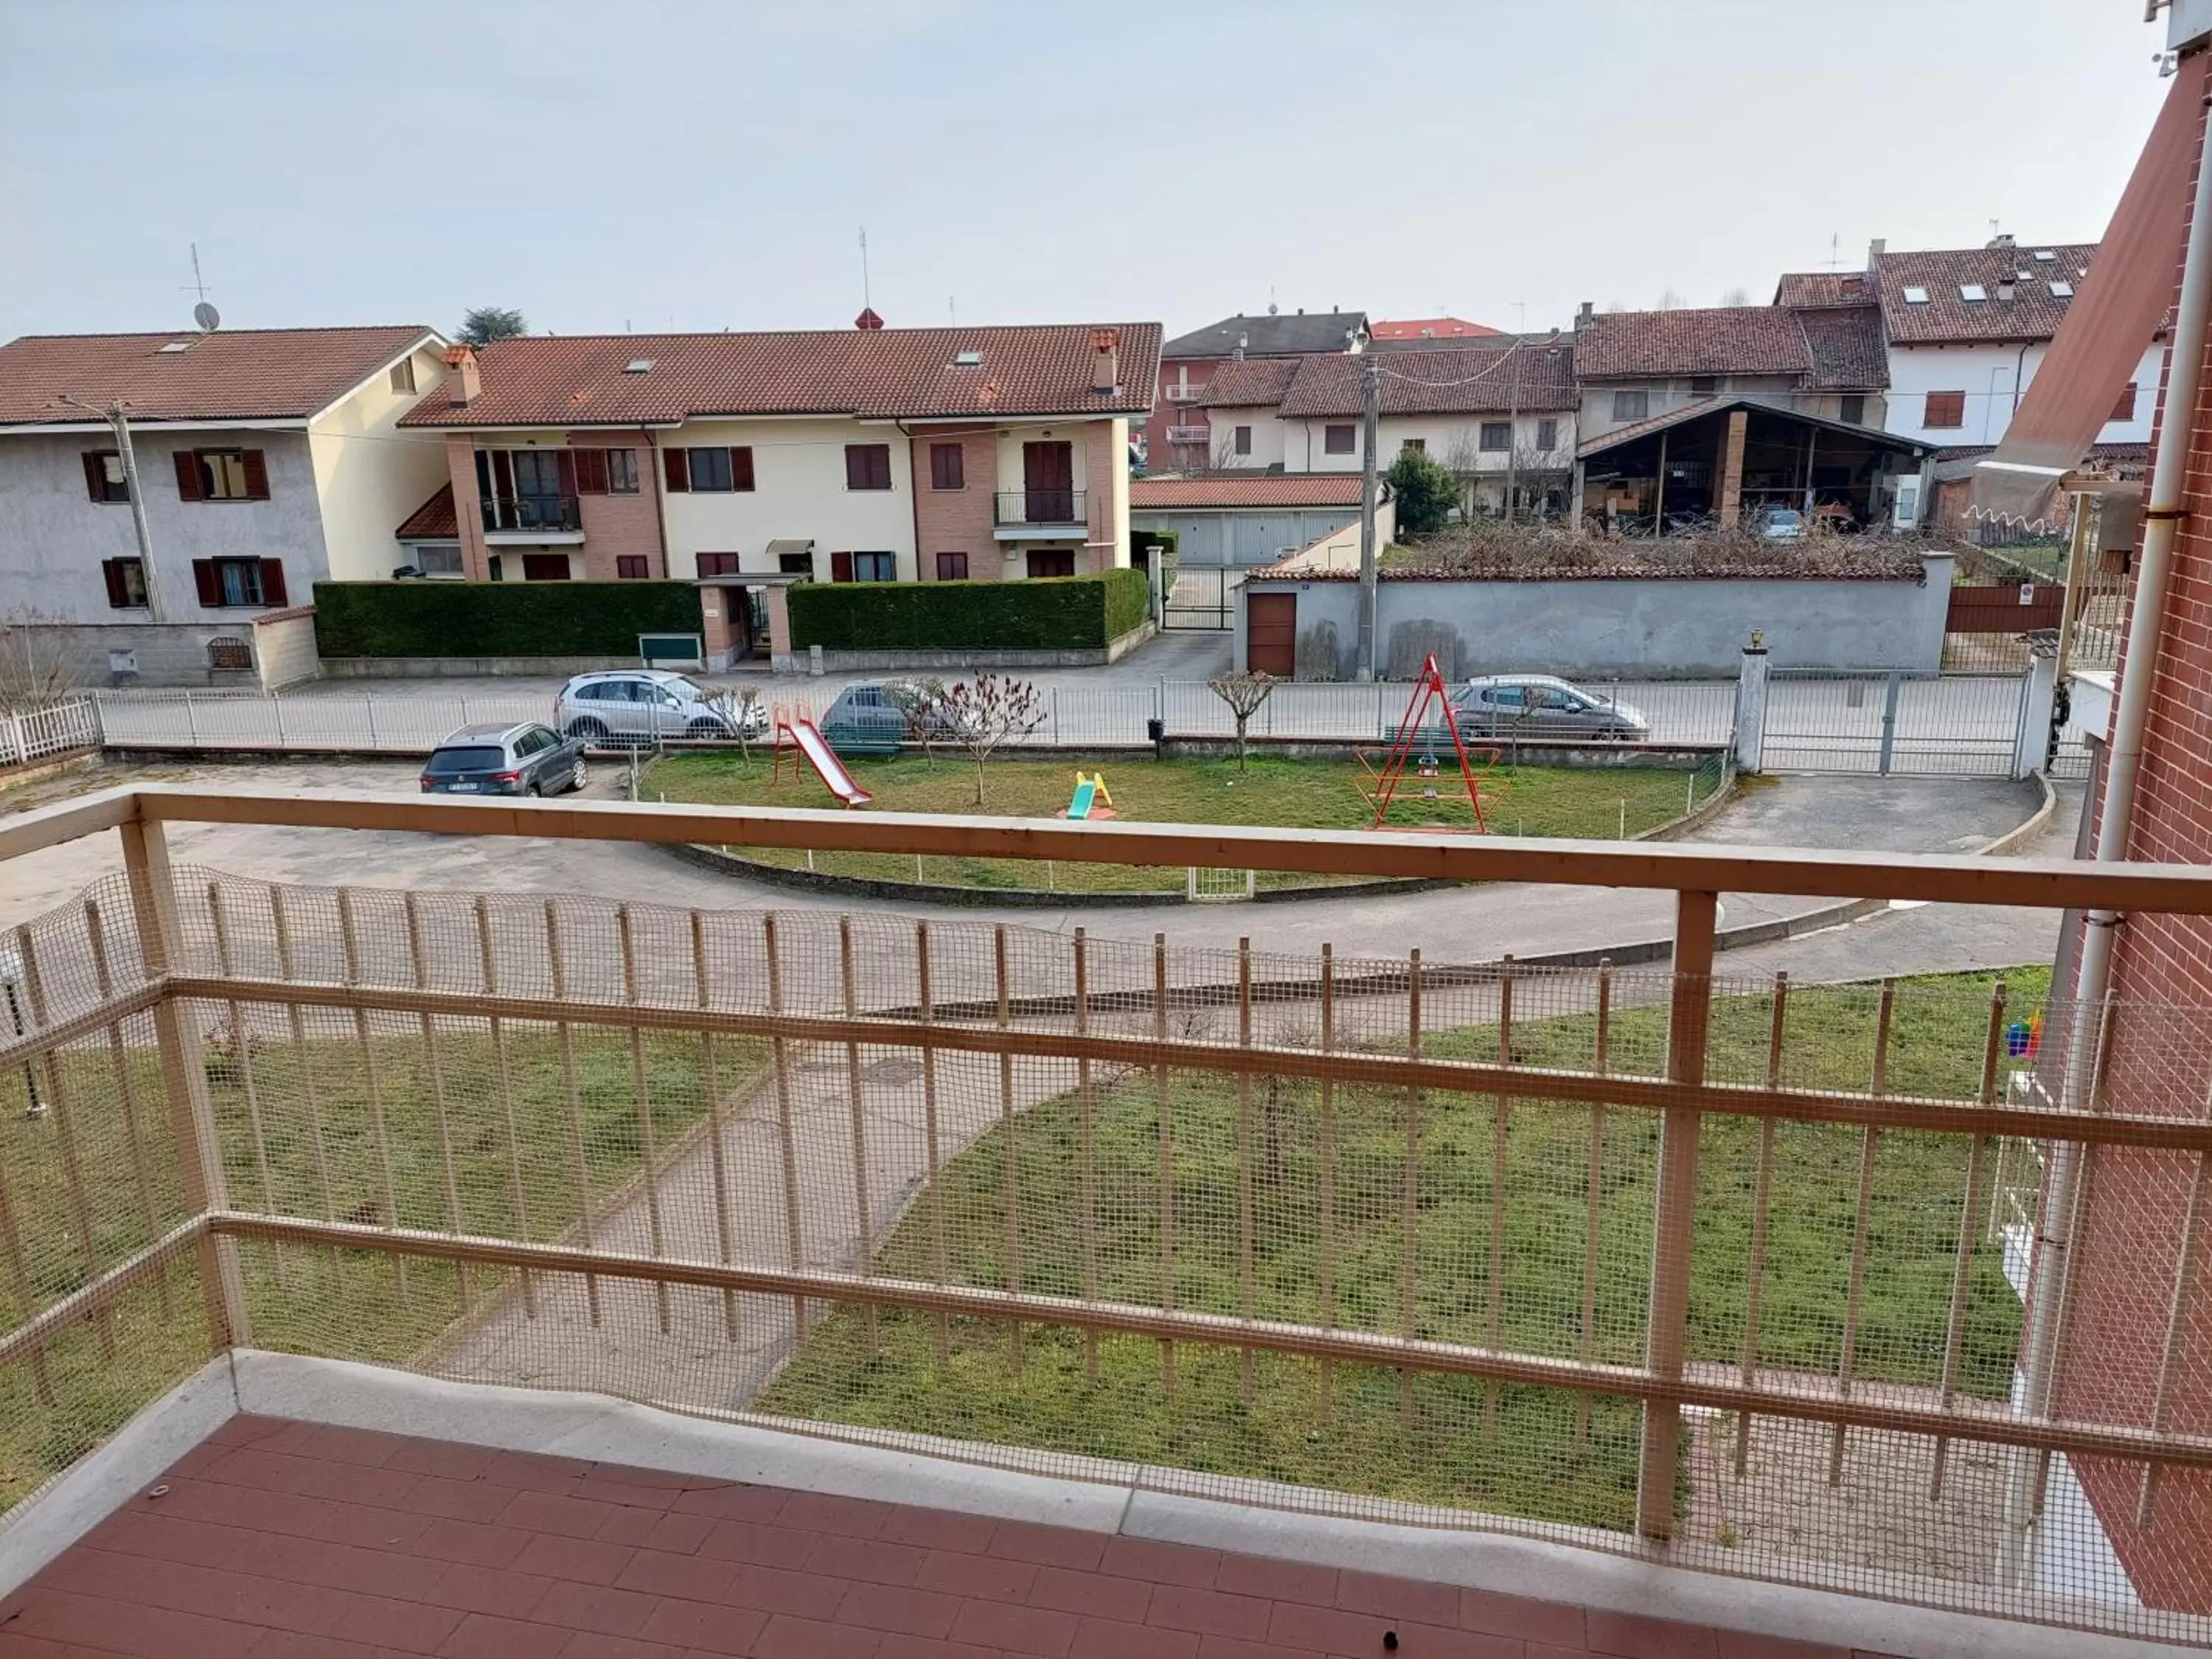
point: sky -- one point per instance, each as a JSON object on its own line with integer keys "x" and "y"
{"x": 609, "y": 165}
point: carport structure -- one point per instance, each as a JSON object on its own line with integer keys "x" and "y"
{"x": 1720, "y": 457}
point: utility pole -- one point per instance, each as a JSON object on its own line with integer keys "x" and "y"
{"x": 1513, "y": 434}
{"x": 1371, "y": 409}
{"x": 119, "y": 423}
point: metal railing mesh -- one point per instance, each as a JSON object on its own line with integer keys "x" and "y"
{"x": 1089, "y": 1206}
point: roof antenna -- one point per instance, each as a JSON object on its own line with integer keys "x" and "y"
{"x": 866, "y": 302}
{"x": 1835, "y": 245}
{"x": 951, "y": 311}
{"x": 1270, "y": 299}
{"x": 202, "y": 314}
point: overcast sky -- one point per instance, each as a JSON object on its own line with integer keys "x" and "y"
{"x": 650, "y": 164}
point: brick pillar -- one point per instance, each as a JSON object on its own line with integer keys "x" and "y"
{"x": 468, "y": 509}
{"x": 1102, "y": 496}
{"x": 776, "y": 595}
{"x": 1731, "y": 493}
{"x": 718, "y": 631}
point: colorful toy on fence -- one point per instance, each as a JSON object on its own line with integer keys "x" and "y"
{"x": 1090, "y": 798}
{"x": 2024, "y": 1037}
{"x": 1416, "y": 745}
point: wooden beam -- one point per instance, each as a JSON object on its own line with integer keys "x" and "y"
{"x": 52, "y": 826}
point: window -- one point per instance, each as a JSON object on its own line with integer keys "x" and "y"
{"x": 629, "y": 565}
{"x": 126, "y": 583}
{"x": 591, "y": 466}
{"x": 443, "y": 562}
{"x": 621, "y": 472}
{"x": 2062, "y": 290}
{"x": 1972, "y": 291}
{"x": 103, "y": 476}
{"x": 223, "y": 583}
{"x": 1852, "y": 410}
{"x": 1704, "y": 385}
{"x": 952, "y": 567}
{"x": 230, "y": 656}
{"x": 1916, "y": 296}
{"x": 1052, "y": 562}
{"x": 545, "y": 567}
{"x": 948, "y": 467}
{"x": 862, "y": 567}
{"x": 1419, "y": 446}
{"x": 403, "y": 376}
{"x": 1631, "y": 406}
{"x": 2125, "y": 409}
{"x": 718, "y": 564}
{"x": 795, "y": 564}
{"x": 1242, "y": 440}
{"x": 222, "y": 475}
{"x": 1497, "y": 434}
{"x": 1548, "y": 434}
{"x": 1945, "y": 408}
{"x": 1339, "y": 441}
{"x": 710, "y": 468}
{"x": 867, "y": 466}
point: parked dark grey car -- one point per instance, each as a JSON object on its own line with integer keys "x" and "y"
{"x": 521, "y": 759}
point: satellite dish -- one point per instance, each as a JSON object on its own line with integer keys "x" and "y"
{"x": 207, "y": 317}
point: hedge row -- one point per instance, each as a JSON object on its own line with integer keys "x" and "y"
{"x": 498, "y": 619}
{"x": 1058, "y": 613}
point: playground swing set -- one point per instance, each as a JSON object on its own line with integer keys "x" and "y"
{"x": 1415, "y": 746}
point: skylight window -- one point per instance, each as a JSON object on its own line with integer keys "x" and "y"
{"x": 1972, "y": 291}
{"x": 2045, "y": 254}
{"x": 1916, "y": 296}
{"x": 637, "y": 365}
{"x": 178, "y": 345}
{"x": 2062, "y": 290}
{"x": 968, "y": 359}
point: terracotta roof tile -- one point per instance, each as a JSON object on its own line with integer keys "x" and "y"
{"x": 1251, "y": 380}
{"x": 1846, "y": 347}
{"x": 1825, "y": 287}
{"x": 878, "y": 374}
{"x": 2033, "y": 313}
{"x": 1258, "y": 489}
{"x": 235, "y": 374}
{"x": 434, "y": 520}
{"x": 1430, "y": 328}
{"x": 1629, "y": 345}
{"x": 1476, "y": 380}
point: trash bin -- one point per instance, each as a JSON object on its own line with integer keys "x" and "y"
{"x": 1156, "y": 733}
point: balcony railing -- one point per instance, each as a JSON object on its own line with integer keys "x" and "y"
{"x": 522, "y": 514}
{"x": 1184, "y": 394}
{"x": 1040, "y": 506}
{"x": 1190, "y": 434}
{"x": 1614, "y": 1257}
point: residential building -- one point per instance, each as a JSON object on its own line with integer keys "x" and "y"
{"x": 1176, "y": 438}
{"x": 1494, "y": 415}
{"x": 1418, "y": 331}
{"x": 746, "y": 462}
{"x": 1239, "y": 519}
{"x": 267, "y": 459}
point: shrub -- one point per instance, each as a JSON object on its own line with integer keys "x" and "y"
{"x": 1058, "y": 613}
{"x": 1424, "y": 489}
{"x": 498, "y": 619}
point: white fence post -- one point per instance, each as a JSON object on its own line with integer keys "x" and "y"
{"x": 368, "y": 705}
{"x": 1750, "y": 706}
{"x": 2039, "y": 690}
{"x": 191, "y": 722}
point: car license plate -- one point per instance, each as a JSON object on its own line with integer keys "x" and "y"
{"x": 463, "y": 788}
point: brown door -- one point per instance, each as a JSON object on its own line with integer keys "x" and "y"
{"x": 1052, "y": 562}
{"x": 1271, "y": 634}
{"x": 1049, "y": 483}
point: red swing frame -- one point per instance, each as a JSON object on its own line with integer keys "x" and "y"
{"x": 1427, "y": 690}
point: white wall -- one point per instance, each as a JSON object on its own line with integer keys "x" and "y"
{"x": 1306, "y": 442}
{"x": 1074, "y": 434}
{"x": 1987, "y": 374}
{"x": 1662, "y": 395}
{"x": 799, "y": 494}
{"x": 1267, "y": 436}
{"x": 369, "y": 475}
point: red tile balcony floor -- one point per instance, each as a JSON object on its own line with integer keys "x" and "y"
{"x": 279, "y": 1540}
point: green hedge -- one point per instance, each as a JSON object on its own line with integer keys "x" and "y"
{"x": 1057, "y": 613}
{"x": 498, "y": 619}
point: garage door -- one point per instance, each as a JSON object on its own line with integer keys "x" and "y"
{"x": 1271, "y": 634}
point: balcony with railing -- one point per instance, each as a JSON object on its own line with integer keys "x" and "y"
{"x": 532, "y": 519}
{"x": 1051, "y": 514}
{"x": 1282, "y": 1251}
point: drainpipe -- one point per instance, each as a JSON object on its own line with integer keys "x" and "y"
{"x": 659, "y": 500}
{"x": 2045, "y": 1314}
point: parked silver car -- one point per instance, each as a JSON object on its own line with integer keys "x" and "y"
{"x": 1542, "y": 706}
{"x": 638, "y": 705}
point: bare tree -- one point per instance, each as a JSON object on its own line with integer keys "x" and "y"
{"x": 1243, "y": 691}
{"x": 1462, "y": 458}
{"x": 1736, "y": 296}
{"x": 39, "y": 665}
{"x": 1670, "y": 299}
{"x": 741, "y": 708}
{"x": 981, "y": 713}
{"x": 921, "y": 702}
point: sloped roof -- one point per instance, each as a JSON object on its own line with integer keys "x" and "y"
{"x": 1690, "y": 411}
{"x": 232, "y": 374}
{"x": 877, "y": 373}
{"x": 1825, "y": 287}
{"x": 1475, "y": 380}
{"x": 1251, "y": 380}
{"x": 1256, "y": 489}
{"x": 1431, "y": 328}
{"x": 1844, "y": 348}
{"x": 2033, "y": 313}
{"x": 435, "y": 520}
{"x": 1269, "y": 335}
{"x": 1632, "y": 345}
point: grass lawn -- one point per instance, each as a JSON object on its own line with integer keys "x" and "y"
{"x": 1591, "y": 802}
{"x": 1522, "y": 1452}
{"x": 343, "y": 1304}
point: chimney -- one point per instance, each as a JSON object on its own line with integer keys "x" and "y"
{"x": 1875, "y": 249}
{"x": 2005, "y": 290}
{"x": 867, "y": 320}
{"x": 1588, "y": 311}
{"x": 2003, "y": 239}
{"x": 1105, "y": 361}
{"x": 462, "y": 384}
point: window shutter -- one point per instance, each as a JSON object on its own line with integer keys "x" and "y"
{"x": 841, "y": 567}
{"x": 95, "y": 479}
{"x": 564, "y": 464}
{"x": 273, "y": 582}
{"x": 741, "y": 467}
{"x": 203, "y": 577}
{"x": 257, "y": 476}
{"x": 118, "y": 596}
{"x": 677, "y": 466}
{"x": 591, "y": 472}
{"x": 188, "y": 476}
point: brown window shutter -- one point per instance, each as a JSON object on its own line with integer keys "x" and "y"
{"x": 564, "y": 464}
{"x": 741, "y": 467}
{"x": 677, "y": 466}
{"x": 257, "y": 476}
{"x": 591, "y": 472}
{"x": 272, "y": 583}
{"x": 203, "y": 579}
{"x": 96, "y": 481}
{"x": 188, "y": 476}
{"x": 841, "y": 567}
{"x": 118, "y": 597}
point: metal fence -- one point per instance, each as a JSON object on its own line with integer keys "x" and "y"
{"x": 1601, "y": 1257}
{"x": 1957, "y": 725}
{"x": 34, "y": 734}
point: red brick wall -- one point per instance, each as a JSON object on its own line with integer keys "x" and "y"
{"x": 958, "y": 520}
{"x": 2127, "y": 1248}
{"x": 618, "y": 525}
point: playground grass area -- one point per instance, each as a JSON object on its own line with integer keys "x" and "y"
{"x": 1596, "y": 803}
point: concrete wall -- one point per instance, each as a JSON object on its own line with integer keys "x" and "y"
{"x": 284, "y": 647}
{"x": 142, "y": 653}
{"x": 1992, "y": 377}
{"x": 370, "y": 475}
{"x": 53, "y": 535}
{"x": 1662, "y": 395}
{"x": 1643, "y": 629}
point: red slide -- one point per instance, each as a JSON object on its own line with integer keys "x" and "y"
{"x": 824, "y": 759}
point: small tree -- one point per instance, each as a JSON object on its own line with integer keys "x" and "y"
{"x": 981, "y": 713}
{"x": 742, "y": 709}
{"x": 1425, "y": 490}
{"x": 481, "y": 324}
{"x": 1243, "y": 691}
{"x": 40, "y": 662}
{"x": 922, "y": 704}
